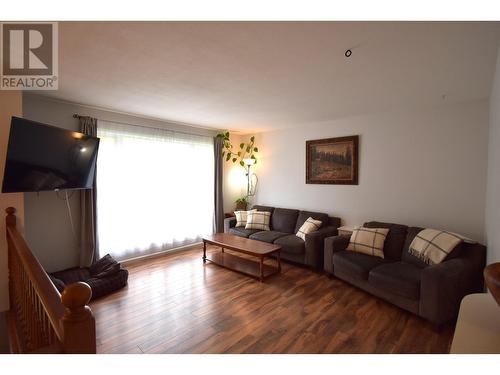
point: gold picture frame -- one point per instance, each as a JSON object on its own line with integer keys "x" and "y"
{"x": 332, "y": 161}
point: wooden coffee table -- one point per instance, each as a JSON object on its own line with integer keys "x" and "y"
{"x": 258, "y": 249}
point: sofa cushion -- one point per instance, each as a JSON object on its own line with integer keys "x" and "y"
{"x": 354, "y": 264}
{"x": 291, "y": 244}
{"x": 284, "y": 220}
{"x": 304, "y": 215}
{"x": 260, "y": 220}
{"x": 368, "y": 241}
{"x": 263, "y": 208}
{"x": 395, "y": 240}
{"x": 267, "y": 236}
{"x": 406, "y": 256}
{"x": 241, "y": 218}
{"x": 433, "y": 245}
{"x": 309, "y": 226}
{"x": 409, "y": 258}
{"x": 242, "y": 232}
{"x": 402, "y": 279}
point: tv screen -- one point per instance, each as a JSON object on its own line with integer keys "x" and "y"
{"x": 42, "y": 157}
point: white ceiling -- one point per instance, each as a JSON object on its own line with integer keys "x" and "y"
{"x": 254, "y": 76}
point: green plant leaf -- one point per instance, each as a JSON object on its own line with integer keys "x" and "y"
{"x": 255, "y": 149}
{"x": 223, "y": 153}
{"x": 228, "y": 156}
{"x": 248, "y": 148}
{"x": 234, "y": 160}
{"x": 252, "y": 138}
{"x": 252, "y": 157}
{"x": 242, "y": 145}
{"x": 239, "y": 153}
{"x": 227, "y": 134}
{"x": 241, "y": 163}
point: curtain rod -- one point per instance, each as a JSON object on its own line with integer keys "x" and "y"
{"x": 76, "y": 115}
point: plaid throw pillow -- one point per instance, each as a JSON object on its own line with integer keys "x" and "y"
{"x": 258, "y": 220}
{"x": 310, "y": 225}
{"x": 433, "y": 246}
{"x": 241, "y": 218}
{"x": 368, "y": 241}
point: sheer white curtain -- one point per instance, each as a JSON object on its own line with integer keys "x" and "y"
{"x": 155, "y": 189}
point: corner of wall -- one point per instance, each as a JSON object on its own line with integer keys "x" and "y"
{"x": 492, "y": 203}
{"x": 234, "y": 180}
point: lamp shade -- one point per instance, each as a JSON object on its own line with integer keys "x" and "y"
{"x": 249, "y": 161}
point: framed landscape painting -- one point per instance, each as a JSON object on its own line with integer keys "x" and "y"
{"x": 332, "y": 161}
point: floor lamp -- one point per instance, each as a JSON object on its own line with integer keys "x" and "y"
{"x": 251, "y": 177}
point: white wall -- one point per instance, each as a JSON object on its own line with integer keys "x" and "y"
{"x": 48, "y": 230}
{"x": 493, "y": 183}
{"x": 425, "y": 167}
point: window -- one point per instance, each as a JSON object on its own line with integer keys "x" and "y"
{"x": 155, "y": 189}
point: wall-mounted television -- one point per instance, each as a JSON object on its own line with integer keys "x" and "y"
{"x": 42, "y": 157}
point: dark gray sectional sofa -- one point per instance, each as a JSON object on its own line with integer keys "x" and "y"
{"x": 433, "y": 292}
{"x": 284, "y": 225}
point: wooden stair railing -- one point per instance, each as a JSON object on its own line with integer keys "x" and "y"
{"x": 40, "y": 319}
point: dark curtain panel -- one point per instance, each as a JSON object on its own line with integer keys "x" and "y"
{"x": 218, "y": 199}
{"x": 89, "y": 246}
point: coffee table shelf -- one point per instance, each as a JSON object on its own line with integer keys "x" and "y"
{"x": 257, "y": 249}
{"x": 242, "y": 265}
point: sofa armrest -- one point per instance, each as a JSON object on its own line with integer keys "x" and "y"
{"x": 315, "y": 245}
{"x": 442, "y": 287}
{"x": 229, "y": 223}
{"x": 333, "y": 245}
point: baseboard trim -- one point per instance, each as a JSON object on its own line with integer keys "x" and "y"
{"x": 159, "y": 254}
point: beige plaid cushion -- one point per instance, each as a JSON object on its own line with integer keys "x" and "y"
{"x": 241, "y": 218}
{"x": 432, "y": 246}
{"x": 258, "y": 220}
{"x": 368, "y": 241}
{"x": 310, "y": 225}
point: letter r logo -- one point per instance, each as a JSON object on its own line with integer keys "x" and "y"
{"x": 29, "y": 56}
{"x": 27, "y": 49}
{"x": 35, "y": 41}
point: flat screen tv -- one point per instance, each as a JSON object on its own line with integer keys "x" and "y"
{"x": 41, "y": 157}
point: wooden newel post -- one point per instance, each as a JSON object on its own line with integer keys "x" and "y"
{"x": 11, "y": 217}
{"x": 78, "y": 322}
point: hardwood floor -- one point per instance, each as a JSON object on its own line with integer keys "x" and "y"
{"x": 177, "y": 304}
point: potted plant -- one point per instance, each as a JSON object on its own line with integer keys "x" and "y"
{"x": 245, "y": 150}
{"x": 241, "y": 204}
